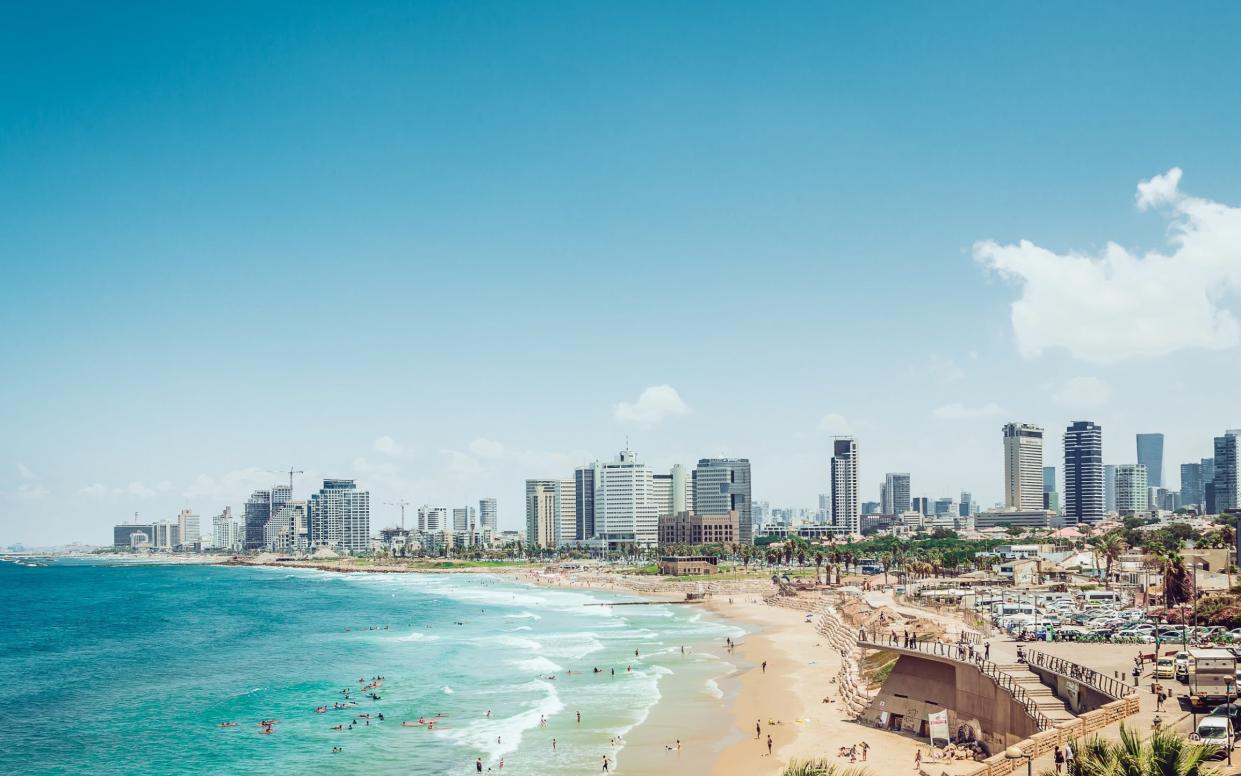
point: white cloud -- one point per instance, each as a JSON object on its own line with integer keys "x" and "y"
{"x": 958, "y": 411}
{"x": 382, "y": 473}
{"x": 835, "y": 424}
{"x": 234, "y": 485}
{"x": 24, "y": 472}
{"x": 486, "y": 448}
{"x": 1119, "y": 306}
{"x": 28, "y": 489}
{"x": 656, "y": 403}
{"x": 461, "y": 465}
{"x": 137, "y": 489}
{"x": 1082, "y": 392}
{"x": 390, "y": 447}
{"x": 95, "y": 490}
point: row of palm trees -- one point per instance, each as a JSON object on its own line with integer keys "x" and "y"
{"x": 1165, "y": 753}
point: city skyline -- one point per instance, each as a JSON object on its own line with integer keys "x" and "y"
{"x": 250, "y": 242}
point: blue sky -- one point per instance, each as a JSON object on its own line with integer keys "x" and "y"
{"x": 434, "y": 246}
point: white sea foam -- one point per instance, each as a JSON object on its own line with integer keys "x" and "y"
{"x": 523, "y": 616}
{"x": 540, "y": 665}
{"x": 446, "y": 690}
{"x": 570, "y": 645}
{"x": 517, "y": 642}
{"x": 713, "y": 689}
{"x": 416, "y": 636}
{"x": 521, "y": 628}
{"x": 498, "y": 735}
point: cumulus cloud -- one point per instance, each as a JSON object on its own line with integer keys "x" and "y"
{"x": 1082, "y": 392}
{"x": 383, "y": 473}
{"x": 656, "y": 404}
{"x": 233, "y": 485}
{"x": 137, "y": 489}
{"x": 486, "y": 448}
{"x": 959, "y": 411}
{"x": 1119, "y": 306}
{"x": 390, "y": 447}
{"x": 835, "y": 424}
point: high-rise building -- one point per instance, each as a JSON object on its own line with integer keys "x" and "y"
{"x": 1049, "y": 479}
{"x": 1191, "y": 485}
{"x": 967, "y": 504}
{"x": 871, "y": 508}
{"x": 1109, "y": 487}
{"x": 288, "y": 528}
{"x": 166, "y": 535}
{"x": 542, "y": 513}
{"x": 464, "y": 519}
{"x": 1084, "y": 491}
{"x": 1227, "y": 483}
{"x": 1208, "y": 471}
{"x": 946, "y": 506}
{"x": 1023, "y": 466}
{"x": 896, "y": 489}
{"x": 626, "y": 508}
{"x": 566, "y": 503}
{"x": 585, "y": 481}
{"x": 133, "y": 536}
{"x": 340, "y": 517}
{"x": 257, "y": 513}
{"x": 722, "y": 485}
{"x": 1132, "y": 492}
{"x": 226, "y": 532}
{"x": 434, "y": 519}
{"x": 920, "y": 504}
{"x": 845, "y": 515}
{"x": 188, "y": 525}
{"x": 488, "y": 517}
{"x": 1150, "y": 455}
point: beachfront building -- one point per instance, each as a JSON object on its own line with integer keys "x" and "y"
{"x": 585, "y": 483}
{"x": 1023, "y": 467}
{"x": 1016, "y": 518}
{"x": 133, "y": 536}
{"x": 689, "y": 528}
{"x": 846, "y": 516}
{"x": 339, "y": 517}
{"x": 188, "y": 528}
{"x": 287, "y": 530}
{"x": 488, "y": 516}
{"x": 720, "y": 486}
{"x": 688, "y": 565}
{"x": 626, "y": 508}
{"x": 257, "y": 512}
{"x": 566, "y": 507}
{"x": 226, "y": 531}
{"x": 543, "y": 513}
{"x": 1225, "y": 479}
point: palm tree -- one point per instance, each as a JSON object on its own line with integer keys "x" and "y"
{"x": 1165, "y": 753}
{"x": 1110, "y": 545}
{"x": 820, "y": 766}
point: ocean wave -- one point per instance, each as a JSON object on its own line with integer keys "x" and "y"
{"x": 570, "y": 645}
{"x": 540, "y": 665}
{"x": 523, "y": 616}
{"x": 446, "y": 690}
{"x": 713, "y": 689}
{"x": 416, "y": 636}
{"x": 517, "y": 642}
{"x": 521, "y": 628}
{"x": 498, "y": 736}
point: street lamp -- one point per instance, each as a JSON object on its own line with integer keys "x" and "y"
{"x": 1015, "y": 753}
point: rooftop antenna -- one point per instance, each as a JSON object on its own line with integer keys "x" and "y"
{"x": 402, "y": 504}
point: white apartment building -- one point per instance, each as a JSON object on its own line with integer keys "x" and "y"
{"x": 226, "y": 531}
{"x": 627, "y": 504}
{"x": 846, "y": 512}
{"x": 566, "y": 512}
{"x": 1132, "y": 495}
{"x": 543, "y": 513}
{"x": 189, "y": 526}
{"x": 1023, "y": 467}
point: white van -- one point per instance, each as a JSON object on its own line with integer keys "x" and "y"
{"x": 1108, "y": 598}
{"x": 1216, "y": 731}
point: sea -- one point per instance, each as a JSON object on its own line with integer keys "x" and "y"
{"x": 132, "y": 668}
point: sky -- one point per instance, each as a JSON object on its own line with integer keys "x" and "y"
{"x": 444, "y": 247}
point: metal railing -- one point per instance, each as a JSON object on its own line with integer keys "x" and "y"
{"x": 1110, "y": 686}
{"x": 959, "y": 654}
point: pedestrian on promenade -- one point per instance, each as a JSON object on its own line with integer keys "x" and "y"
{"x": 986, "y": 651}
{"x": 1059, "y": 760}
{"x": 1068, "y": 756}
{"x": 918, "y": 759}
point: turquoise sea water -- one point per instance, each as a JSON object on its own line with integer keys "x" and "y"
{"x": 123, "y": 668}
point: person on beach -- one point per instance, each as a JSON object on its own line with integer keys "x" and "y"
{"x": 764, "y": 666}
{"x": 478, "y": 765}
{"x": 865, "y": 749}
{"x": 579, "y": 718}
{"x": 758, "y": 728}
{"x": 769, "y": 745}
{"x": 605, "y": 763}
{"x": 553, "y": 744}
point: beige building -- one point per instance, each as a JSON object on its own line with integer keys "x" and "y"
{"x": 688, "y": 565}
{"x": 688, "y": 528}
{"x": 1023, "y": 466}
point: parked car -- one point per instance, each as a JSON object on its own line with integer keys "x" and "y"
{"x": 1165, "y": 668}
{"x": 1216, "y": 731}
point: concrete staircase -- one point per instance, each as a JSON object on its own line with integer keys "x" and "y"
{"x": 1044, "y": 697}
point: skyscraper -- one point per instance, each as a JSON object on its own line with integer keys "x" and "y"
{"x": 845, "y": 515}
{"x": 189, "y": 526}
{"x": 488, "y": 516}
{"x": 542, "y": 513}
{"x": 1051, "y": 497}
{"x": 585, "y": 481}
{"x": 1132, "y": 491}
{"x": 967, "y": 503}
{"x": 464, "y": 519}
{"x": 1023, "y": 466}
{"x": 1109, "y": 487}
{"x": 1227, "y": 483}
{"x": 1191, "y": 485}
{"x": 1084, "y": 491}
{"x": 566, "y": 521}
{"x": 340, "y": 517}
{"x": 434, "y": 519}
{"x": 257, "y": 513}
{"x": 226, "y": 533}
{"x": 1150, "y": 455}
{"x": 626, "y": 510}
{"x": 896, "y": 489}
{"x": 722, "y": 485}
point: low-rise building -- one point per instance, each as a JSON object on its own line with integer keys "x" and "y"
{"x": 689, "y": 528}
{"x": 688, "y": 565}
{"x": 1018, "y": 518}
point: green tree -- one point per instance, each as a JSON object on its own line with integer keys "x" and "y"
{"x": 1165, "y": 753}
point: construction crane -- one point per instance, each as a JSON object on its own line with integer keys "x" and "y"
{"x": 290, "y": 472}
{"x": 402, "y": 504}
